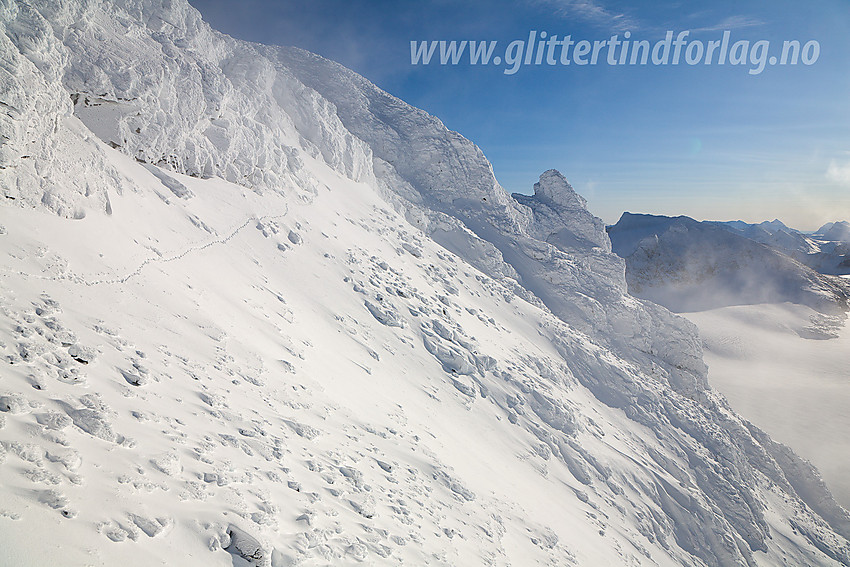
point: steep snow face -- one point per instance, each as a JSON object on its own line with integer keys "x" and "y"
{"x": 687, "y": 265}
{"x": 441, "y": 169}
{"x": 567, "y": 262}
{"x": 315, "y": 377}
{"x": 227, "y": 377}
{"x": 157, "y": 83}
{"x": 430, "y": 168}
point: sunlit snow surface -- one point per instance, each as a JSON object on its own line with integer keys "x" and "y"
{"x": 795, "y": 388}
{"x": 774, "y": 330}
{"x": 238, "y": 379}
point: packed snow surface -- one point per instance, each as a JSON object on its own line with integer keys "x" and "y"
{"x": 256, "y": 311}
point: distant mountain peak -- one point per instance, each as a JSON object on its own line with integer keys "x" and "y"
{"x": 687, "y": 265}
{"x": 839, "y": 231}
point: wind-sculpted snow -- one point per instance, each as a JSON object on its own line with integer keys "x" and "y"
{"x": 185, "y": 97}
{"x": 445, "y": 171}
{"x": 39, "y": 143}
{"x": 313, "y": 329}
{"x": 559, "y": 251}
{"x": 561, "y": 216}
{"x": 159, "y": 84}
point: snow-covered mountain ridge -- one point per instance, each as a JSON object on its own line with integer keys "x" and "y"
{"x": 264, "y": 278}
{"x": 688, "y": 265}
{"x": 827, "y": 250}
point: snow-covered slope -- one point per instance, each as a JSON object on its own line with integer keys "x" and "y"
{"x": 774, "y": 234}
{"x": 687, "y": 265}
{"x": 795, "y": 389}
{"x": 837, "y": 231}
{"x": 446, "y": 186}
{"x": 756, "y": 310}
{"x": 255, "y": 310}
{"x": 833, "y": 255}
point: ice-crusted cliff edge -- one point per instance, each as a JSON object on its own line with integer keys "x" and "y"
{"x": 150, "y": 79}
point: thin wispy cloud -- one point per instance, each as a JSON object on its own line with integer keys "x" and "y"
{"x": 733, "y": 23}
{"x": 839, "y": 173}
{"x": 591, "y": 11}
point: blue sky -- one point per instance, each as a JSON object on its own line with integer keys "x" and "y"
{"x": 708, "y": 141}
